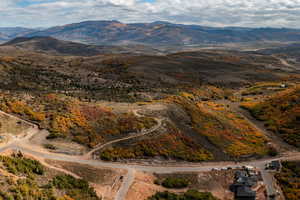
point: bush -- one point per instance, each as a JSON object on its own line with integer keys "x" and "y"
{"x": 75, "y": 188}
{"x": 289, "y": 179}
{"x": 189, "y": 195}
{"x": 272, "y": 152}
{"x": 175, "y": 183}
{"x": 50, "y": 146}
{"x": 20, "y": 165}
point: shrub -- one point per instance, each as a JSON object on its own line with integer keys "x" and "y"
{"x": 189, "y": 195}
{"x": 289, "y": 179}
{"x": 175, "y": 183}
{"x": 50, "y": 146}
{"x": 20, "y": 165}
{"x": 77, "y": 189}
{"x": 272, "y": 152}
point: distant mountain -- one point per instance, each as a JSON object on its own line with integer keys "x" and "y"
{"x": 156, "y": 33}
{"x": 59, "y": 47}
{"x": 8, "y": 33}
{"x": 162, "y": 33}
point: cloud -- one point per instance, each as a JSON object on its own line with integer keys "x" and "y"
{"x": 253, "y": 13}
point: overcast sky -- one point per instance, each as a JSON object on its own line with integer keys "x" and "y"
{"x": 247, "y": 13}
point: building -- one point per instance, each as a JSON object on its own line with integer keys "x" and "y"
{"x": 245, "y": 193}
{"x": 242, "y": 186}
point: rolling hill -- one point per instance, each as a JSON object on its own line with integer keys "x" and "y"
{"x": 90, "y": 100}
{"x": 49, "y": 45}
{"x": 291, "y": 50}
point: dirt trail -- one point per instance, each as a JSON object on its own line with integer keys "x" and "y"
{"x": 285, "y": 63}
{"x": 143, "y": 133}
{"x": 127, "y": 182}
{"x": 19, "y": 119}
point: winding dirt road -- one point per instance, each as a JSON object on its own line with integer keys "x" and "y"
{"x": 143, "y": 133}
{"x": 285, "y": 63}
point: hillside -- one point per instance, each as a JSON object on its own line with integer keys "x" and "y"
{"x": 54, "y": 46}
{"x": 161, "y": 33}
{"x": 291, "y": 51}
{"x": 25, "y": 178}
{"x": 281, "y": 114}
{"x": 8, "y": 33}
{"x": 93, "y": 100}
{"x": 288, "y": 179}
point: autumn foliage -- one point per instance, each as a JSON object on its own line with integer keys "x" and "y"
{"x": 280, "y": 113}
{"x": 86, "y": 123}
{"x": 224, "y": 128}
{"x": 172, "y": 144}
{"x": 289, "y": 180}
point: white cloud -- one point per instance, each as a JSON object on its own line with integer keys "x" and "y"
{"x": 254, "y": 13}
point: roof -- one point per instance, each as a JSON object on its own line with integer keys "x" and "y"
{"x": 245, "y": 191}
{"x": 239, "y": 174}
{"x": 244, "y": 181}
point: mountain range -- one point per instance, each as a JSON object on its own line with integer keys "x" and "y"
{"x": 156, "y": 33}
{"x": 8, "y": 33}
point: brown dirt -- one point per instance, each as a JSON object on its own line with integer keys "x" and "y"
{"x": 215, "y": 182}
{"x": 143, "y": 187}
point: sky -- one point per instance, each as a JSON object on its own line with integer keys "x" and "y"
{"x": 246, "y": 13}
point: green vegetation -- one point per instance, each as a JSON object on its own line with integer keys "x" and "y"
{"x": 175, "y": 183}
{"x": 26, "y": 179}
{"x": 22, "y": 166}
{"x": 289, "y": 179}
{"x": 50, "y": 146}
{"x": 78, "y": 189}
{"x": 189, "y": 195}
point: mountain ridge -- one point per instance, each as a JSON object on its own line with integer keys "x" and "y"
{"x": 158, "y": 33}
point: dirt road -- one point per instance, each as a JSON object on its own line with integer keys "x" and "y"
{"x": 143, "y": 133}
{"x": 23, "y": 145}
{"x": 285, "y": 63}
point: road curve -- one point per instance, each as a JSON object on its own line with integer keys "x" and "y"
{"x": 143, "y": 133}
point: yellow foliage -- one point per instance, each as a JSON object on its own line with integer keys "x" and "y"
{"x": 7, "y": 59}
{"x": 61, "y": 124}
{"x": 187, "y": 95}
